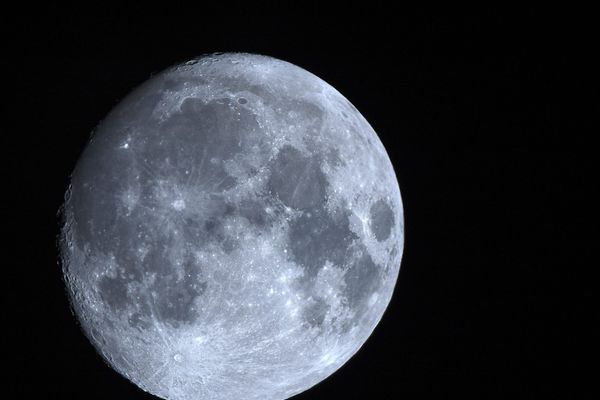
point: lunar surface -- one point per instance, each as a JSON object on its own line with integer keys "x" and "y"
{"x": 233, "y": 230}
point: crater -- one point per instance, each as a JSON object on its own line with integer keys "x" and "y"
{"x": 382, "y": 220}
{"x": 178, "y": 204}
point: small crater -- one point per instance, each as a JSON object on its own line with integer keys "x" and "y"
{"x": 242, "y": 100}
{"x": 178, "y": 204}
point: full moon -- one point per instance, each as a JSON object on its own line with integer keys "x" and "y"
{"x": 232, "y": 230}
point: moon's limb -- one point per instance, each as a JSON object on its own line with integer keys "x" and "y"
{"x": 233, "y": 229}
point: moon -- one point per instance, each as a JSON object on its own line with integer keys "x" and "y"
{"x": 233, "y": 229}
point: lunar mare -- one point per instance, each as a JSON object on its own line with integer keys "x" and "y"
{"x": 233, "y": 229}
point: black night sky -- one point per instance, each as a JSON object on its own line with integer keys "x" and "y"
{"x": 485, "y": 120}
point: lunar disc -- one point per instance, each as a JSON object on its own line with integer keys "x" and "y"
{"x": 233, "y": 230}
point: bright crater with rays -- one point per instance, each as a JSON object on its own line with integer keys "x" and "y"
{"x": 233, "y": 230}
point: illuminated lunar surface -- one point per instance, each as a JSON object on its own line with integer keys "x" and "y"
{"x": 233, "y": 230}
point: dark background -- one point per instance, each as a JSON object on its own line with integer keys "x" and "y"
{"x": 486, "y": 119}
